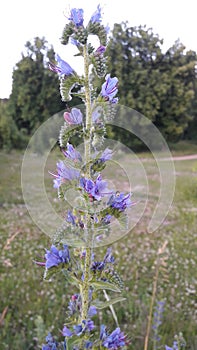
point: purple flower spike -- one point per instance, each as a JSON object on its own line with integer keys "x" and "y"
{"x": 51, "y": 343}
{"x": 62, "y": 68}
{"x": 109, "y": 88}
{"x": 76, "y": 16}
{"x": 115, "y": 340}
{"x": 74, "y": 117}
{"x": 54, "y": 257}
{"x": 96, "y": 17}
{"x": 120, "y": 201}
{"x": 71, "y": 153}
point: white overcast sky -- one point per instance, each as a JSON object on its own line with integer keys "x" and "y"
{"x": 23, "y": 20}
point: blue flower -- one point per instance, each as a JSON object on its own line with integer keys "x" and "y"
{"x": 71, "y": 153}
{"x": 54, "y": 257}
{"x": 62, "y": 68}
{"x": 88, "y": 344}
{"x": 106, "y": 155}
{"x": 71, "y": 218}
{"x": 174, "y": 347}
{"x": 120, "y": 201}
{"x": 73, "y": 117}
{"x": 92, "y": 311}
{"x": 96, "y": 17}
{"x": 51, "y": 343}
{"x": 100, "y": 50}
{"x": 96, "y": 189}
{"x": 66, "y": 332}
{"x": 64, "y": 173}
{"x": 114, "y": 340}
{"x": 76, "y": 16}
{"x": 85, "y": 326}
{"x": 100, "y": 265}
{"x": 109, "y": 88}
{"x": 103, "y": 332}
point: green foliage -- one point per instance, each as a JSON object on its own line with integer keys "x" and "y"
{"x": 160, "y": 85}
{"x": 34, "y": 96}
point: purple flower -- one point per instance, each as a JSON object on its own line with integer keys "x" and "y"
{"x": 114, "y": 340}
{"x": 119, "y": 201}
{"x": 71, "y": 218}
{"x": 85, "y": 326}
{"x": 66, "y": 332}
{"x": 106, "y": 155}
{"x": 96, "y": 17}
{"x": 73, "y": 117}
{"x": 76, "y": 16}
{"x": 92, "y": 311}
{"x": 62, "y": 68}
{"x": 96, "y": 189}
{"x": 64, "y": 173}
{"x": 51, "y": 343}
{"x": 107, "y": 219}
{"x": 54, "y": 257}
{"x": 174, "y": 347}
{"x": 100, "y": 265}
{"x": 100, "y": 50}
{"x": 71, "y": 153}
{"x": 103, "y": 332}
{"x": 108, "y": 258}
{"x": 109, "y": 88}
{"x": 88, "y": 344}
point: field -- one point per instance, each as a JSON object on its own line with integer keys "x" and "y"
{"x": 30, "y": 307}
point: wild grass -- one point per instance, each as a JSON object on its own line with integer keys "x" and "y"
{"x": 30, "y": 307}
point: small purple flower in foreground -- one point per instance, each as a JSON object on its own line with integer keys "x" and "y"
{"x": 120, "y": 201}
{"x": 62, "y": 68}
{"x": 103, "y": 332}
{"x": 85, "y": 326}
{"x": 51, "y": 344}
{"x": 114, "y": 340}
{"x": 96, "y": 17}
{"x": 109, "y": 88}
{"x": 71, "y": 153}
{"x": 76, "y": 16}
{"x": 96, "y": 189}
{"x": 64, "y": 173}
{"x": 54, "y": 257}
{"x": 100, "y": 50}
{"x": 66, "y": 332}
{"x": 73, "y": 117}
{"x": 174, "y": 347}
{"x": 92, "y": 311}
{"x": 106, "y": 155}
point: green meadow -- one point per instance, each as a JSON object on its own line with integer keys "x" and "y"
{"x": 160, "y": 264}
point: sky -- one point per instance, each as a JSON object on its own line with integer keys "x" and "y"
{"x": 23, "y": 20}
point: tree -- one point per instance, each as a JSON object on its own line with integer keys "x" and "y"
{"x": 157, "y": 84}
{"x": 35, "y": 89}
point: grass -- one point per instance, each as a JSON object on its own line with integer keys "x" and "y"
{"x": 30, "y": 308}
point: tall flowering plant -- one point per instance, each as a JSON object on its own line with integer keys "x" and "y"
{"x": 89, "y": 222}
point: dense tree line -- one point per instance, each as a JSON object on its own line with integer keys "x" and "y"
{"x": 160, "y": 85}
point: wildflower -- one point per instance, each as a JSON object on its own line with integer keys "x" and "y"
{"x": 62, "y": 68}
{"x": 114, "y": 340}
{"x": 66, "y": 332}
{"x": 100, "y": 265}
{"x": 100, "y": 50}
{"x": 54, "y": 257}
{"x": 71, "y": 218}
{"x": 88, "y": 344}
{"x": 119, "y": 201}
{"x": 103, "y": 332}
{"x": 96, "y": 17}
{"x": 109, "y": 88}
{"x": 51, "y": 343}
{"x": 85, "y": 326}
{"x": 96, "y": 189}
{"x": 64, "y": 173}
{"x": 73, "y": 117}
{"x": 174, "y": 347}
{"x": 106, "y": 155}
{"x": 71, "y": 153}
{"x": 76, "y": 16}
{"x": 92, "y": 311}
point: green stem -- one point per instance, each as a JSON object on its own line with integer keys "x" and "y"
{"x": 87, "y": 141}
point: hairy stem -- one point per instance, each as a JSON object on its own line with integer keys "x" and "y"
{"x": 87, "y": 141}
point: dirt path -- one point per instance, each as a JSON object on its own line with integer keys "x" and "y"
{"x": 189, "y": 157}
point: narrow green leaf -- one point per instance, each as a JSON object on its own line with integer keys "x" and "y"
{"x": 105, "y": 285}
{"x": 103, "y": 304}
